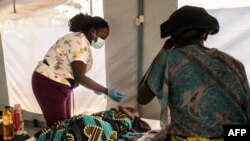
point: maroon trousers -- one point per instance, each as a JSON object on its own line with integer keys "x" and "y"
{"x": 54, "y": 98}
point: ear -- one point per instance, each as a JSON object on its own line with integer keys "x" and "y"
{"x": 92, "y": 30}
{"x": 91, "y": 34}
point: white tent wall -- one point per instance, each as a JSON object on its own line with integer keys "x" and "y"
{"x": 122, "y": 46}
{"x": 233, "y": 37}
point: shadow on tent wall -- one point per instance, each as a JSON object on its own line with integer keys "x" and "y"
{"x": 34, "y": 118}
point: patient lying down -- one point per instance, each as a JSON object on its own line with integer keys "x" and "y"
{"x": 113, "y": 124}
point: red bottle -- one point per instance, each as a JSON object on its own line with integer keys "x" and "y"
{"x": 18, "y": 120}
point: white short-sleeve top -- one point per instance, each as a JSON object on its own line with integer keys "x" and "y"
{"x": 71, "y": 47}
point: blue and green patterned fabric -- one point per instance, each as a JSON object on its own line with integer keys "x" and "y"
{"x": 109, "y": 125}
{"x": 119, "y": 121}
{"x": 203, "y": 88}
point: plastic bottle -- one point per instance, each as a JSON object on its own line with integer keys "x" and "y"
{"x": 8, "y": 132}
{"x": 18, "y": 120}
{"x": 1, "y": 126}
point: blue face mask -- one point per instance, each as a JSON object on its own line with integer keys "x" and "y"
{"x": 98, "y": 44}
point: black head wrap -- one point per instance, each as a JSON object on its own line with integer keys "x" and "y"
{"x": 188, "y": 18}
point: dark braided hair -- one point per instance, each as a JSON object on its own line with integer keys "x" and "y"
{"x": 83, "y": 23}
{"x": 99, "y": 22}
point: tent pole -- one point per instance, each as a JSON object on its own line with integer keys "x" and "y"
{"x": 140, "y": 46}
{"x": 91, "y": 7}
{"x": 140, "y": 40}
{"x": 14, "y": 5}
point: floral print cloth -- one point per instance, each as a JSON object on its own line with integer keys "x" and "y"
{"x": 71, "y": 47}
{"x": 203, "y": 88}
{"x": 108, "y": 125}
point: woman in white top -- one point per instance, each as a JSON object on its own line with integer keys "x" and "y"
{"x": 65, "y": 65}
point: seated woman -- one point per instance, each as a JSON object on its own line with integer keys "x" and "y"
{"x": 108, "y": 125}
{"x": 202, "y": 88}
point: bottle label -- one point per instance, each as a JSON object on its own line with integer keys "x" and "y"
{"x": 7, "y": 119}
{"x": 18, "y": 122}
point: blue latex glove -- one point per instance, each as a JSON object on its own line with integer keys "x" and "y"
{"x": 115, "y": 94}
